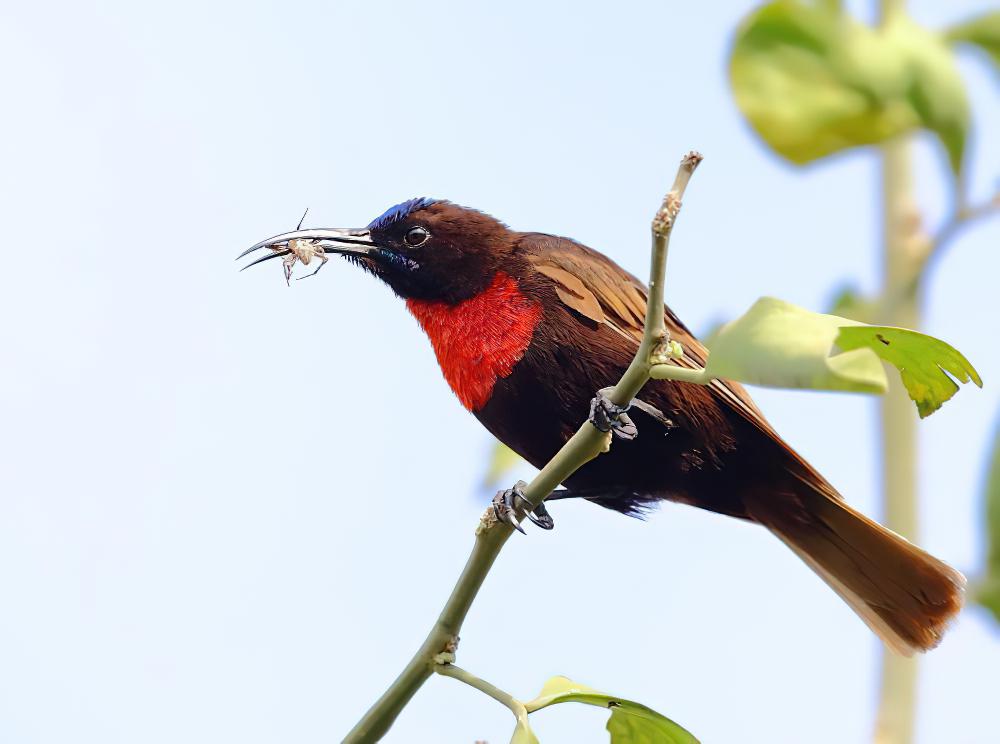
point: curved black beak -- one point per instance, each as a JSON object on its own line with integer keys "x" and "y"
{"x": 355, "y": 242}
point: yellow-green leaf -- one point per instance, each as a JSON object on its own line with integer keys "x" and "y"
{"x": 523, "y": 733}
{"x": 935, "y": 88}
{"x": 928, "y": 366}
{"x": 777, "y": 344}
{"x": 812, "y": 81}
{"x": 982, "y": 31}
{"x": 988, "y": 590}
{"x": 630, "y": 722}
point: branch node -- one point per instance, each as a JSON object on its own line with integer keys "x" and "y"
{"x": 606, "y": 442}
{"x": 445, "y": 657}
{"x": 690, "y": 161}
{"x": 665, "y": 350}
{"x": 488, "y": 521}
{"x": 663, "y": 222}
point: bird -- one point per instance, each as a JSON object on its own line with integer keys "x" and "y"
{"x": 526, "y": 326}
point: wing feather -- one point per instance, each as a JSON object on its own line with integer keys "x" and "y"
{"x": 598, "y": 289}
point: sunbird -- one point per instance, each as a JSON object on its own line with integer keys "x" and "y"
{"x": 528, "y": 326}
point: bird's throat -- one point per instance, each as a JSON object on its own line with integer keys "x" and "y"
{"x": 479, "y": 340}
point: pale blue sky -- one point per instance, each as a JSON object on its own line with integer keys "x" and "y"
{"x": 229, "y": 510}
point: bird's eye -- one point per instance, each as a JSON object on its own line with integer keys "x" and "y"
{"x": 416, "y": 236}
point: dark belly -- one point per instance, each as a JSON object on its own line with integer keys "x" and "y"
{"x": 541, "y": 404}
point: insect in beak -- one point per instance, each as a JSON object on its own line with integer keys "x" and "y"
{"x": 304, "y": 245}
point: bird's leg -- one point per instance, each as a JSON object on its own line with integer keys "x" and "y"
{"x": 507, "y": 504}
{"x": 606, "y": 416}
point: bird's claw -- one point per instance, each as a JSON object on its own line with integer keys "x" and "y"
{"x": 540, "y": 517}
{"x": 509, "y": 503}
{"x": 607, "y": 416}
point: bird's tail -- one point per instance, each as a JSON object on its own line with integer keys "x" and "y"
{"x": 905, "y": 595}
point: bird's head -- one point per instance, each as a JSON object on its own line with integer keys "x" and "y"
{"x": 424, "y": 249}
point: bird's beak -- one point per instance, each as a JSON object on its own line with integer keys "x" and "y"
{"x": 352, "y": 242}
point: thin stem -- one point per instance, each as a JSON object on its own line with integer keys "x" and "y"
{"x": 444, "y": 635}
{"x": 901, "y": 259}
{"x": 963, "y": 217}
{"x": 588, "y": 442}
{"x": 682, "y": 374}
{"x": 455, "y": 672}
{"x": 654, "y": 328}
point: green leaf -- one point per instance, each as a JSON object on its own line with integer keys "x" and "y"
{"x": 988, "y": 591}
{"x": 630, "y": 722}
{"x": 777, "y": 344}
{"x": 935, "y": 87}
{"x": 708, "y": 335}
{"x": 982, "y": 31}
{"x": 928, "y": 366}
{"x": 502, "y": 460}
{"x": 812, "y": 81}
{"x": 523, "y": 733}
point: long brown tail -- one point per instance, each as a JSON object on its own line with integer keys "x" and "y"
{"x": 905, "y": 595}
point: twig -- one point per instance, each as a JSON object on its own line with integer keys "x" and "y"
{"x": 963, "y": 217}
{"x": 586, "y": 444}
{"x": 682, "y": 374}
{"x": 516, "y": 706}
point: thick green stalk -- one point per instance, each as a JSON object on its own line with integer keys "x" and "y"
{"x": 586, "y": 444}
{"x": 902, "y": 257}
{"x": 900, "y": 307}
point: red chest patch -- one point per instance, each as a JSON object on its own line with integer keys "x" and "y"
{"x": 479, "y": 341}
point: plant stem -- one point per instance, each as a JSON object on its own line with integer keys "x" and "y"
{"x": 588, "y": 442}
{"x": 515, "y": 705}
{"x": 683, "y": 374}
{"x": 963, "y": 217}
{"x": 380, "y": 717}
{"x": 900, "y": 307}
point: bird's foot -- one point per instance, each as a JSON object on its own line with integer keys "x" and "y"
{"x": 607, "y": 416}
{"x": 511, "y": 506}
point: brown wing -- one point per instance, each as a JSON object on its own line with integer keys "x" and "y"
{"x": 596, "y": 288}
{"x": 905, "y": 595}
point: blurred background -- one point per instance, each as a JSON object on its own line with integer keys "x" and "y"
{"x": 230, "y": 510}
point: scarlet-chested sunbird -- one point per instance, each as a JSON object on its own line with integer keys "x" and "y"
{"x": 527, "y": 326}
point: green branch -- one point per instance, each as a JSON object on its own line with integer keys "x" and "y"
{"x": 897, "y": 698}
{"x": 518, "y": 708}
{"x": 964, "y": 216}
{"x": 681, "y": 374}
{"x": 586, "y": 444}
